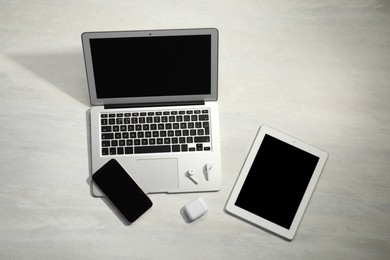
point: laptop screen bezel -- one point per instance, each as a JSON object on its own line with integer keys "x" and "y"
{"x": 86, "y": 36}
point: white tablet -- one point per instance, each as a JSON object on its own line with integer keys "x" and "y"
{"x": 276, "y": 182}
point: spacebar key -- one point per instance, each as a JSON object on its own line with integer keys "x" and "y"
{"x": 152, "y": 149}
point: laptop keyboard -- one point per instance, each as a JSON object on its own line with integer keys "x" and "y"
{"x": 155, "y": 132}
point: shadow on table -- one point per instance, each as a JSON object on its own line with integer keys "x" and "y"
{"x": 64, "y": 70}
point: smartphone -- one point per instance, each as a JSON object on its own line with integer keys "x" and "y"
{"x": 121, "y": 190}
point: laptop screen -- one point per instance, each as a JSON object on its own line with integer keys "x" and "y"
{"x": 133, "y": 67}
{"x": 151, "y": 66}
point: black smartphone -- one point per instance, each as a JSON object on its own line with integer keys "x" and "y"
{"x": 121, "y": 190}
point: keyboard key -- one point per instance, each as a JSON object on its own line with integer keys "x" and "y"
{"x": 176, "y": 148}
{"x": 128, "y": 150}
{"x": 153, "y": 149}
{"x": 106, "y": 143}
{"x": 184, "y": 148}
{"x": 203, "y": 117}
{"x": 108, "y": 136}
{"x": 106, "y": 129}
{"x": 105, "y": 151}
{"x": 202, "y": 139}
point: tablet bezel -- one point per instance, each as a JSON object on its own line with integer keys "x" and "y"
{"x": 258, "y": 220}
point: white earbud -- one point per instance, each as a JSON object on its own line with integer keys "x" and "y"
{"x": 190, "y": 174}
{"x": 207, "y": 169}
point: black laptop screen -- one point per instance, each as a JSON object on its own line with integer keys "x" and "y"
{"x": 152, "y": 66}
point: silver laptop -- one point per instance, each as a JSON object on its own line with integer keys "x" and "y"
{"x": 153, "y": 96}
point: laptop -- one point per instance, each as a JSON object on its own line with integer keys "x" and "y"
{"x": 154, "y": 107}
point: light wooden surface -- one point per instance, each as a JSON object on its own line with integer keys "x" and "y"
{"x": 318, "y": 70}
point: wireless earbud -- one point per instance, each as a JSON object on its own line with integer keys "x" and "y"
{"x": 207, "y": 169}
{"x": 190, "y": 174}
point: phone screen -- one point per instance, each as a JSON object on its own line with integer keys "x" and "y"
{"x": 122, "y": 190}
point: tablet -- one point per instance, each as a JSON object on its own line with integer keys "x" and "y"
{"x": 276, "y": 182}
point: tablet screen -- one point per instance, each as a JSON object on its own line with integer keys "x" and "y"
{"x": 277, "y": 181}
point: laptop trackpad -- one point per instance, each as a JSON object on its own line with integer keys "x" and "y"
{"x": 157, "y": 175}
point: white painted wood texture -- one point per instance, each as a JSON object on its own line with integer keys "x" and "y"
{"x": 318, "y": 70}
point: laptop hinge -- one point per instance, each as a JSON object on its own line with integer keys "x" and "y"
{"x": 162, "y": 104}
